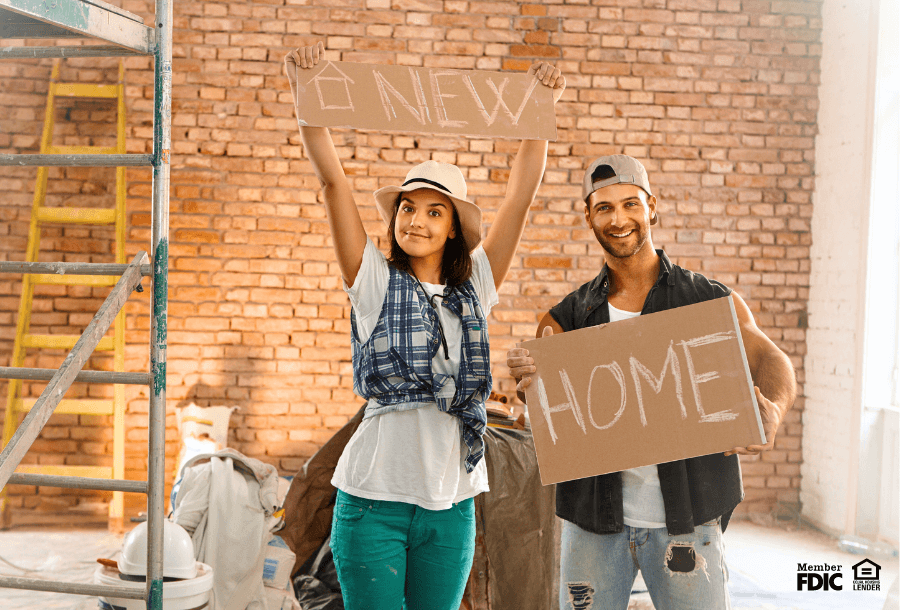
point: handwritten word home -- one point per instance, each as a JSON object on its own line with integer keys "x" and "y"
{"x": 638, "y": 371}
{"x": 656, "y": 388}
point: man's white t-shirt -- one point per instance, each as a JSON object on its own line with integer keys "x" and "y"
{"x": 414, "y": 456}
{"x": 641, "y": 494}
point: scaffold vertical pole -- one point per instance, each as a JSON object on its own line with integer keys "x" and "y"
{"x": 159, "y": 236}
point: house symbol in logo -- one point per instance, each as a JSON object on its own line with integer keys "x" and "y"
{"x": 866, "y": 570}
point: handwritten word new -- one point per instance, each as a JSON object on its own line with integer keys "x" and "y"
{"x": 419, "y": 108}
{"x": 414, "y": 99}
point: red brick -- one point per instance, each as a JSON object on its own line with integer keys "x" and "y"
{"x": 534, "y": 50}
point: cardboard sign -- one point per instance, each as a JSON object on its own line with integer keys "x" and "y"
{"x": 422, "y": 100}
{"x": 656, "y": 388}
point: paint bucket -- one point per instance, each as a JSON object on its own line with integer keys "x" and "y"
{"x": 189, "y": 594}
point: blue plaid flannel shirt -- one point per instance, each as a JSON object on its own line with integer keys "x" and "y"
{"x": 394, "y": 365}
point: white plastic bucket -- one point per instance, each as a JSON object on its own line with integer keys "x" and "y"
{"x": 191, "y": 594}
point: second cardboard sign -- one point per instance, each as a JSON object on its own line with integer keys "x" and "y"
{"x": 410, "y": 99}
{"x": 657, "y": 388}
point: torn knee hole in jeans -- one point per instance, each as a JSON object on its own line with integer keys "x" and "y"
{"x": 581, "y": 595}
{"x": 682, "y": 560}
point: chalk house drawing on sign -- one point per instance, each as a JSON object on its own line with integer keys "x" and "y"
{"x": 343, "y": 92}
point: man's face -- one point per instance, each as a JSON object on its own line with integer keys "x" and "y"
{"x": 619, "y": 215}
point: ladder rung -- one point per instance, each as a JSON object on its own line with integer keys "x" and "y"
{"x": 30, "y": 374}
{"x": 76, "y": 160}
{"x": 74, "y": 280}
{"x": 81, "y": 150}
{"x": 46, "y": 480}
{"x": 63, "y": 342}
{"x": 86, "y": 90}
{"x": 77, "y": 588}
{"x": 69, "y": 268}
{"x": 94, "y": 472}
{"x": 84, "y": 51}
{"x": 73, "y": 406}
{"x": 99, "y": 216}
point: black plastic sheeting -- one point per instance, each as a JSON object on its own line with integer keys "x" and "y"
{"x": 518, "y": 537}
{"x": 318, "y": 588}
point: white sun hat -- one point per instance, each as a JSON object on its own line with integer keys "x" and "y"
{"x": 444, "y": 178}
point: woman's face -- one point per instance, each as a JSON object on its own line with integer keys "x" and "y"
{"x": 424, "y": 223}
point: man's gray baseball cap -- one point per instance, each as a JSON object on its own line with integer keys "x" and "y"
{"x": 616, "y": 169}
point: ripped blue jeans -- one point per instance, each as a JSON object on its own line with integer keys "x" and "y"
{"x": 393, "y": 555}
{"x": 683, "y": 572}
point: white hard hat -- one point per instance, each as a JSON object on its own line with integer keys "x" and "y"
{"x": 178, "y": 552}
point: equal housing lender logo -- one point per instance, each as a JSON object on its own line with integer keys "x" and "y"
{"x": 828, "y": 577}
{"x": 866, "y": 576}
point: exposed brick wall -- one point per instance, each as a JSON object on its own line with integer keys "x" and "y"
{"x": 718, "y": 97}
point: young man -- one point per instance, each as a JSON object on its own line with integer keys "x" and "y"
{"x": 666, "y": 520}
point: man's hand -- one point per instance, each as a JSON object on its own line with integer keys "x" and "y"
{"x": 521, "y": 365}
{"x": 768, "y": 413}
{"x": 549, "y": 75}
{"x": 771, "y": 370}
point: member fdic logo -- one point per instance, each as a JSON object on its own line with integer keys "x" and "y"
{"x": 818, "y": 577}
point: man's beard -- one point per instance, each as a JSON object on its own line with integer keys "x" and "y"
{"x": 624, "y": 248}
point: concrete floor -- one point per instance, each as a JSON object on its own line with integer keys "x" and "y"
{"x": 762, "y": 561}
{"x": 53, "y": 554}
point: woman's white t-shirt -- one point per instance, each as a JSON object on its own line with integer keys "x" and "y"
{"x": 413, "y": 456}
{"x": 641, "y": 494}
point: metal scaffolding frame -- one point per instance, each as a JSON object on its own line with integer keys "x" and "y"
{"x": 124, "y": 34}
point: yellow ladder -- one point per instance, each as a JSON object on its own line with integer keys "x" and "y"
{"x": 41, "y": 214}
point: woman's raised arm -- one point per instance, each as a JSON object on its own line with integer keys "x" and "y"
{"x": 524, "y": 179}
{"x": 346, "y": 226}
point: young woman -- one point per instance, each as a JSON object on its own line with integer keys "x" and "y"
{"x": 403, "y": 533}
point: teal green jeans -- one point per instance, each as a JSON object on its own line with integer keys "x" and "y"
{"x": 393, "y": 555}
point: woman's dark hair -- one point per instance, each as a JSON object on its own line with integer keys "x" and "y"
{"x": 456, "y": 266}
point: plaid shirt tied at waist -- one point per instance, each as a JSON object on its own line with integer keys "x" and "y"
{"x": 393, "y": 366}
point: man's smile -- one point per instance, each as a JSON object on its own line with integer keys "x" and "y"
{"x": 620, "y": 235}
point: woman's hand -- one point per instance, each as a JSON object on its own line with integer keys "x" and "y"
{"x": 550, "y": 76}
{"x": 307, "y": 57}
{"x": 303, "y": 57}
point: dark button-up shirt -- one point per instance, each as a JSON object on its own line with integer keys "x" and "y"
{"x": 696, "y": 490}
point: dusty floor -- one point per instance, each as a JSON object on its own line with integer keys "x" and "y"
{"x": 762, "y": 561}
{"x": 54, "y": 554}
